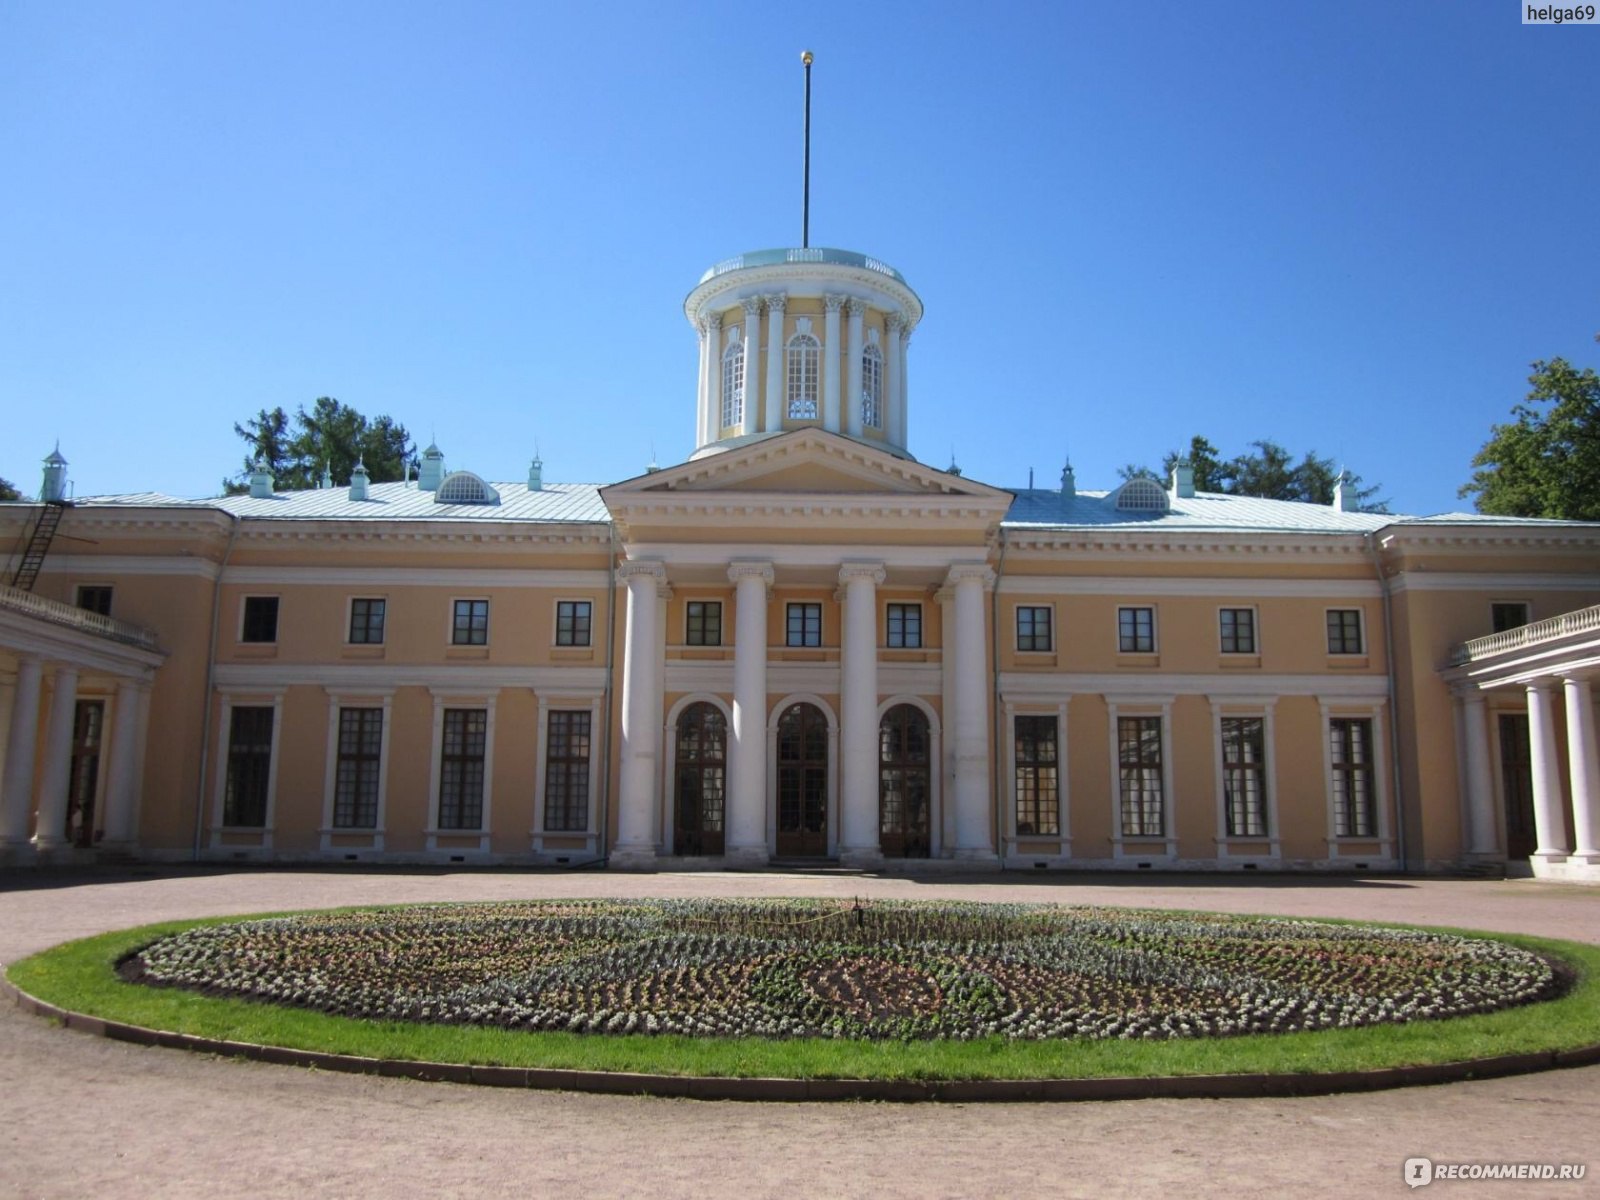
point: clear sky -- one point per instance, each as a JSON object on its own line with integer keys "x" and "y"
{"x": 1347, "y": 227}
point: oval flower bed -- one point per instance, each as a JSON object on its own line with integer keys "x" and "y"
{"x": 790, "y": 969}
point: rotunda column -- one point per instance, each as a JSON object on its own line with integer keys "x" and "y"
{"x": 1480, "y": 791}
{"x": 750, "y": 422}
{"x": 858, "y": 718}
{"x": 852, "y": 391}
{"x": 893, "y": 365}
{"x": 831, "y": 304}
{"x": 903, "y": 394}
{"x": 16, "y": 787}
{"x": 1584, "y": 766}
{"x": 746, "y": 799}
{"x": 776, "y": 303}
{"x": 1549, "y": 821}
{"x": 702, "y": 408}
{"x": 51, "y": 828}
{"x": 974, "y": 839}
{"x": 714, "y": 378}
{"x": 641, "y": 687}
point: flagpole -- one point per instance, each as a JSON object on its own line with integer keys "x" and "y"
{"x": 805, "y": 201}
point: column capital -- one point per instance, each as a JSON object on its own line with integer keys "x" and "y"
{"x": 643, "y": 569}
{"x": 832, "y": 302}
{"x": 1542, "y": 685}
{"x": 777, "y": 302}
{"x": 712, "y": 320}
{"x": 750, "y": 569}
{"x": 856, "y": 306}
{"x": 752, "y": 306}
{"x": 961, "y": 573}
{"x": 852, "y": 571}
{"x": 898, "y": 323}
{"x": 943, "y": 595}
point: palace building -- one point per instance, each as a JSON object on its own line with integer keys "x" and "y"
{"x": 799, "y": 644}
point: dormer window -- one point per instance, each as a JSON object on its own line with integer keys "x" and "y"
{"x": 803, "y": 359}
{"x": 1141, "y": 495}
{"x": 733, "y": 384}
{"x": 463, "y": 487}
{"x": 872, "y": 388}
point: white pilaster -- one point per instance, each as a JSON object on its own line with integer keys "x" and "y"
{"x": 893, "y": 365}
{"x": 658, "y": 715}
{"x": 1584, "y": 764}
{"x": 714, "y": 379}
{"x": 775, "y": 395}
{"x": 702, "y": 407}
{"x": 120, "y": 770}
{"x": 16, "y": 787}
{"x": 858, "y": 718}
{"x": 747, "y": 749}
{"x": 830, "y": 362}
{"x": 51, "y": 830}
{"x": 1549, "y": 821}
{"x": 1481, "y": 837}
{"x": 974, "y": 838}
{"x": 903, "y": 392}
{"x": 852, "y": 390}
{"x": 641, "y": 687}
{"x": 751, "y": 422}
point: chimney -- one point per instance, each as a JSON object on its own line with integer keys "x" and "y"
{"x": 261, "y": 483}
{"x": 54, "y": 488}
{"x": 536, "y": 474}
{"x": 359, "y": 481}
{"x": 1182, "y": 480}
{"x": 432, "y": 473}
{"x": 1069, "y": 481}
{"x": 1344, "y": 493}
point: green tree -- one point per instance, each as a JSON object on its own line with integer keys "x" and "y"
{"x": 331, "y": 436}
{"x": 1268, "y": 471}
{"x": 8, "y": 491}
{"x": 1546, "y": 463}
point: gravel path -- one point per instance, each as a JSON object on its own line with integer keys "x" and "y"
{"x": 82, "y": 1116}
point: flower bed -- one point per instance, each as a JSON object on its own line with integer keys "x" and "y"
{"x": 785, "y": 969}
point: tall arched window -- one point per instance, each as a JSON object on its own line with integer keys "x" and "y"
{"x": 872, "y": 388}
{"x": 733, "y": 383}
{"x": 803, "y": 359}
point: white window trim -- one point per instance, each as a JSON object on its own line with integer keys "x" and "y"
{"x": 1155, "y": 629}
{"x": 1361, "y": 625}
{"x": 450, "y": 626}
{"x": 443, "y": 699}
{"x": 555, "y": 622}
{"x": 669, "y": 765}
{"x": 1013, "y": 710}
{"x": 1255, "y": 630}
{"x": 1142, "y": 706}
{"x": 871, "y": 398}
{"x": 339, "y": 698}
{"x": 1016, "y": 633}
{"x": 1247, "y": 706}
{"x": 539, "y": 835}
{"x": 349, "y": 615}
{"x": 1338, "y": 852}
{"x": 734, "y": 398}
{"x": 800, "y": 344}
{"x": 238, "y": 633}
{"x": 246, "y": 698}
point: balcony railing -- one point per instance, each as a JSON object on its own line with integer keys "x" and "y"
{"x": 72, "y": 617}
{"x": 811, "y": 254}
{"x": 1584, "y": 620}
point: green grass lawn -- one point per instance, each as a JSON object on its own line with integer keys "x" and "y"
{"x": 80, "y": 976}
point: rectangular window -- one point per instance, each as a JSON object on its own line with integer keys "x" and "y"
{"x": 366, "y": 622}
{"x": 1508, "y": 615}
{"x": 355, "y": 789}
{"x": 1344, "y": 631}
{"x": 1238, "y": 630}
{"x": 566, "y": 772}
{"x": 95, "y": 598}
{"x": 1033, "y": 627}
{"x": 471, "y": 624}
{"x": 244, "y": 803}
{"x": 905, "y": 626}
{"x": 260, "y": 619}
{"x": 804, "y": 625}
{"x": 572, "y": 622}
{"x": 1136, "y": 630}
{"x": 1139, "y": 760}
{"x": 1036, "y": 778}
{"x": 461, "y": 758}
{"x": 1355, "y": 803}
{"x": 1244, "y": 775}
{"x": 705, "y": 623}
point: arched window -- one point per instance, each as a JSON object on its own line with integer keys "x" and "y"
{"x": 701, "y": 763}
{"x": 463, "y": 487}
{"x": 803, "y": 359}
{"x": 872, "y": 388}
{"x": 1141, "y": 494}
{"x": 904, "y": 777}
{"x": 733, "y": 384}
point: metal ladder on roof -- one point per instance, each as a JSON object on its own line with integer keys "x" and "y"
{"x": 44, "y": 532}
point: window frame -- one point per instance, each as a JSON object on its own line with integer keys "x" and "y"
{"x": 689, "y": 630}
{"x": 571, "y": 636}
{"x": 253, "y": 697}
{"x": 1340, "y": 775}
{"x": 1223, "y": 633}
{"x": 383, "y": 621}
{"x": 808, "y": 609}
{"x": 376, "y": 757}
{"x": 871, "y": 399}
{"x": 1343, "y": 641}
{"x": 910, "y": 639}
{"x": 802, "y": 376}
{"x": 548, "y": 777}
{"x": 443, "y": 758}
{"x": 244, "y": 619}
{"x": 1161, "y": 768}
{"x": 472, "y": 626}
{"x": 1495, "y": 608}
{"x": 1259, "y": 767}
{"x": 1049, "y": 611}
{"x": 1045, "y": 797}
{"x": 734, "y": 375}
{"x": 1135, "y": 641}
{"x": 104, "y": 593}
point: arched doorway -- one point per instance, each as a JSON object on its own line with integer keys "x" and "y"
{"x": 802, "y": 782}
{"x": 904, "y": 782}
{"x": 700, "y": 775}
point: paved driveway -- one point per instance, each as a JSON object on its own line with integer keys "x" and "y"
{"x": 81, "y": 1116}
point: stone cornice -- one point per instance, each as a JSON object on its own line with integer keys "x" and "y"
{"x": 455, "y": 535}
{"x": 1165, "y": 545}
{"x": 1468, "y": 539}
{"x": 804, "y": 280}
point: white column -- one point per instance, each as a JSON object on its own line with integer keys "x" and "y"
{"x": 16, "y": 787}
{"x": 658, "y": 716}
{"x": 701, "y": 407}
{"x": 120, "y": 779}
{"x": 1549, "y": 821}
{"x": 1584, "y": 764}
{"x": 746, "y": 799}
{"x": 1481, "y": 837}
{"x": 858, "y": 718}
{"x": 714, "y": 378}
{"x": 903, "y": 394}
{"x": 775, "y": 397}
{"x": 636, "y": 847}
{"x": 752, "y": 365}
{"x": 974, "y": 837}
{"x": 945, "y": 597}
{"x": 830, "y": 362}
{"x": 852, "y": 374}
{"x": 891, "y": 385}
{"x": 51, "y": 829}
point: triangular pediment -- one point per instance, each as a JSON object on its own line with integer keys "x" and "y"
{"x": 805, "y": 462}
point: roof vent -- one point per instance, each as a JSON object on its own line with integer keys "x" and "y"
{"x": 54, "y": 488}
{"x": 1069, "y": 481}
{"x": 432, "y": 473}
{"x": 1183, "y": 480}
{"x": 1344, "y": 493}
{"x": 359, "y": 480}
{"x": 463, "y": 487}
{"x": 261, "y": 483}
{"x": 536, "y": 474}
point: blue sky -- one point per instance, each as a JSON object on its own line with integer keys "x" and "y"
{"x": 1347, "y": 227}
